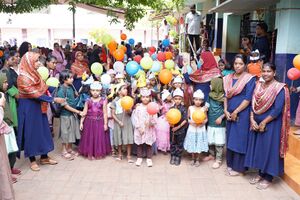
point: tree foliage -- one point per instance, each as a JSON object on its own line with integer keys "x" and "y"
{"x": 134, "y": 9}
{"x": 22, "y": 6}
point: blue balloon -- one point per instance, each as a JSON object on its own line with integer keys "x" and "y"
{"x": 154, "y": 56}
{"x": 166, "y": 42}
{"x": 156, "y": 66}
{"x": 189, "y": 70}
{"x": 132, "y": 68}
{"x": 131, "y": 41}
{"x": 106, "y": 86}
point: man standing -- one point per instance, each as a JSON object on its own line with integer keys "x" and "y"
{"x": 261, "y": 41}
{"x": 193, "y": 21}
{"x": 60, "y": 57}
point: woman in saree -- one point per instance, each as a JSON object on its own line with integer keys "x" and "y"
{"x": 78, "y": 68}
{"x": 238, "y": 94}
{"x": 34, "y": 135}
{"x": 270, "y": 118}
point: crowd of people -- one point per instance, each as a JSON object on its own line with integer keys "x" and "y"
{"x": 246, "y": 112}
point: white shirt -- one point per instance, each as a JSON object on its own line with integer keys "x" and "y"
{"x": 193, "y": 22}
{"x": 166, "y": 29}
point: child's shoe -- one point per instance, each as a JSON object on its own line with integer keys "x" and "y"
{"x": 172, "y": 161}
{"x": 139, "y": 162}
{"x": 149, "y": 163}
{"x": 177, "y": 161}
{"x": 216, "y": 164}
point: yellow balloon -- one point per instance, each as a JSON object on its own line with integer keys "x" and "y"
{"x": 44, "y": 72}
{"x": 127, "y": 102}
{"x": 52, "y": 81}
{"x": 173, "y": 116}
{"x": 198, "y": 116}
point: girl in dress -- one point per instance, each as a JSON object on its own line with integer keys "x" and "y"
{"x": 162, "y": 126}
{"x": 144, "y": 128}
{"x": 94, "y": 142}
{"x": 196, "y": 138}
{"x": 123, "y": 130}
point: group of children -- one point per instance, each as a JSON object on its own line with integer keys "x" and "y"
{"x": 105, "y": 126}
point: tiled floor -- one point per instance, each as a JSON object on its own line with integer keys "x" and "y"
{"x": 83, "y": 179}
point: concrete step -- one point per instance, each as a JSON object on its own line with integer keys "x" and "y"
{"x": 292, "y": 172}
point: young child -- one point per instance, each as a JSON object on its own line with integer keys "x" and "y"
{"x": 177, "y": 83}
{"x": 69, "y": 123}
{"x": 255, "y": 65}
{"x": 144, "y": 128}
{"x": 110, "y": 125}
{"x": 123, "y": 130}
{"x": 178, "y": 131}
{"x": 94, "y": 142}
{"x": 196, "y": 137}
{"x": 225, "y": 68}
{"x": 216, "y": 121}
{"x": 162, "y": 126}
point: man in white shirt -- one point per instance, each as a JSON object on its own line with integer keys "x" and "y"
{"x": 193, "y": 21}
{"x": 166, "y": 29}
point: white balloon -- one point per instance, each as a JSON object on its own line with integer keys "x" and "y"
{"x": 146, "y": 55}
{"x": 119, "y": 66}
{"x": 105, "y": 79}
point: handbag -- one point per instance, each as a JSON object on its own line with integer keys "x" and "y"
{"x": 11, "y": 142}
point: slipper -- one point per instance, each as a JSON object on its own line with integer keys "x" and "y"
{"x": 262, "y": 185}
{"x": 232, "y": 173}
{"x": 67, "y": 156}
{"x": 74, "y": 153}
{"x": 255, "y": 179}
{"x": 48, "y": 161}
{"x": 129, "y": 160}
{"x": 34, "y": 167}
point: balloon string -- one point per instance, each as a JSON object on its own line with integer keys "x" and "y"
{"x": 292, "y": 83}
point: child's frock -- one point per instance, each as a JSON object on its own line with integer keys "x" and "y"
{"x": 95, "y": 141}
{"x": 196, "y": 137}
{"x": 163, "y": 129}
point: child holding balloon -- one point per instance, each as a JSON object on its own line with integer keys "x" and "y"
{"x": 123, "y": 130}
{"x": 177, "y": 116}
{"x": 144, "y": 128}
{"x": 196, "y": 137}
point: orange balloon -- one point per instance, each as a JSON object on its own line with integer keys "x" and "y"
{"x": 165, "y": 76}
{"x": 173, "y": 116}
{"x": 168, "y": 55}
{"x": 123, "y": 36}
{"x": 198, "y": 116}
{"x": 1, "y": 53}
{"x": 112, "y": 45}
{"x": 123, "y": 48}
{"x": 296, "y": 61}
{"x": 127, "y": 102}
{"x": 119, "y": 55}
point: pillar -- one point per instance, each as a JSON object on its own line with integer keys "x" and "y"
{"x": 287, "y": 43}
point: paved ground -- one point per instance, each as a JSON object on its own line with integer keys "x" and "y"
{"x": 105, "y": 179}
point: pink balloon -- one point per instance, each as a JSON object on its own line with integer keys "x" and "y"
{"x": 152, "y": 108}
{"x": 293, "y": 74}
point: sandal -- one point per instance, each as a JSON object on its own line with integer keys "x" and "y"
{"x": 74, "y": 153}
{"x": 262, "y": 185}
{"x": 67, "y": 156}
{"x": 217, "y": 164}
{"x": 129, "y": 160}
{"x": 119, "y": 158}
{"x": 255, "y": 179}
{"x": 34, "y": 167}
{"x": 48, "y": 161}
{"x": 232, "y": 173}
